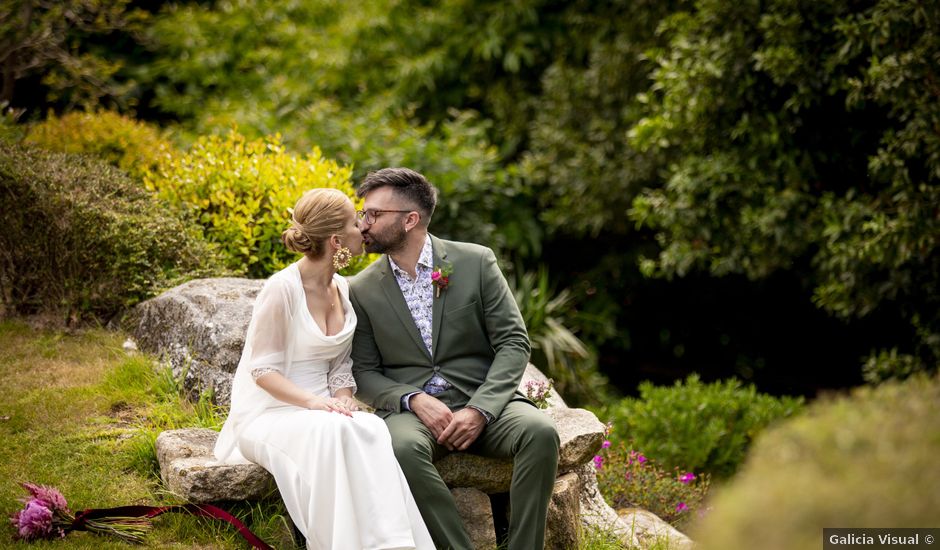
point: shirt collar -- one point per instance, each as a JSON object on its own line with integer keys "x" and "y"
{"x": 426, "y": 258}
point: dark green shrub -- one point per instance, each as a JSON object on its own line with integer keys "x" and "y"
{"x": 697, "y": 426}
{"x": 865, "y": 460}
{"x": 81, "y": 240}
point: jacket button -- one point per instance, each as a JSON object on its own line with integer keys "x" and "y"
{"x": 437, "y": 368}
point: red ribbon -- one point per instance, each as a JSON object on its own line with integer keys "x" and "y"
{"x": 204, "y": 510}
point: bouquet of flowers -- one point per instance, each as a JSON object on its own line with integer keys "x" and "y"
{"x": 46, "y": 515}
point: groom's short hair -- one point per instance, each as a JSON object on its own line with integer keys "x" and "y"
{"x": 407, "y": 184}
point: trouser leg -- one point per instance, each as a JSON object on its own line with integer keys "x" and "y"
{"x": 416, "y": 450}
{"x": 528, "y": 436}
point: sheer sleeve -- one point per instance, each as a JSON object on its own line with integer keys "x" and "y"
{"x": 271, "y": 323}
{"x": 340, "y": 375}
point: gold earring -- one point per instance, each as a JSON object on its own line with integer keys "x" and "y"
{"x": 341, "y": 258}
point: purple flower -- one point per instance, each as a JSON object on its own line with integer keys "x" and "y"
{"x": 605, "y": 444}
{"x": 52, "y": 498}
{"x": 34, "y": 521}
{"x": 681, "y": 507}
{"x": 598, "y": 461}
{"x": 687, "y": 477}
{"x": 640, "y": 458}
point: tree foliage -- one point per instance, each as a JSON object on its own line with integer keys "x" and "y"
{"x": 802, "y": 130}
{"x": 62, "y": 43}
{"x": 764, "y": 140}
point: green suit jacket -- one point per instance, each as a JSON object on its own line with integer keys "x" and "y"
{"x": 479, "y": 339}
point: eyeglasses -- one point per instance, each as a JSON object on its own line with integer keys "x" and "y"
{"x": 369, "y": 216}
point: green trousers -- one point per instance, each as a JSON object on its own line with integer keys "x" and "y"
{"x": 522, "y": 433}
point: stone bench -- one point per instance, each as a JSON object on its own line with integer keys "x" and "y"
{"x": 189, "y": 470}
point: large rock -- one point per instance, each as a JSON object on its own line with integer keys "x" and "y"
{"x": 189, "y": 469}
{"x": 564, "y": 512}
{"x": 477, "y": 515}
{"x": 198, "y": 328}
{"x": 650, "y": 530}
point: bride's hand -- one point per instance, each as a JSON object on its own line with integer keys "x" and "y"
{"x": 350, "y": 403}
{"x": 329, "y": 404}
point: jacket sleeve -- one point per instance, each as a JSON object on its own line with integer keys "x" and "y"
{"x": 374, "y": 388}
{"x": 507, "y": 334}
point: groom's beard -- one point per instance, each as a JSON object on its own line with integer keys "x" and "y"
{"x": 385, "y": 242}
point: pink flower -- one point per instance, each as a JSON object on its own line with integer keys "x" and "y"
{"x": 598, "y": 461}
{"x": 34, "y": 521}
{"x": 636, "y": 456}
{"x": 681, "y": 507}
{"x": 687, "y": 477}
{"x": 52, "y": 498}
{"x": 605, "y": 444}
{"x": 435, "y": 275}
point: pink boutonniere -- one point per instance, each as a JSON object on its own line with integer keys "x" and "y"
{"x": 440, "y": 278}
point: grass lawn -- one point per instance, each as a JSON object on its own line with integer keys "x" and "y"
{"x": 80, "y": 414}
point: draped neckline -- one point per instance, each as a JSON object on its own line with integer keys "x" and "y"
{"x": 349, "y": 319}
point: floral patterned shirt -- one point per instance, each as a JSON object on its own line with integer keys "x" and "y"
{"x": 419, "y": 292}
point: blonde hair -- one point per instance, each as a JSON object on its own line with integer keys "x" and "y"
{"x": 318, "y": 214}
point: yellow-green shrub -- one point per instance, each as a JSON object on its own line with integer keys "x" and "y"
{"x": 240, "y": 191}
{"x": 131, "y": 145}
{"x": 868, "y": 460}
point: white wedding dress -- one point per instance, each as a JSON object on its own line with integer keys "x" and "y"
{"x": 337, "y": 475}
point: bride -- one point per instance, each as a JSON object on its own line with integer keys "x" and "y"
{"x": 293, "y": 410}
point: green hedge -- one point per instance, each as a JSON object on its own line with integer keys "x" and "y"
{"x": 697, "y": 426}
{"x": 81, "y": 240}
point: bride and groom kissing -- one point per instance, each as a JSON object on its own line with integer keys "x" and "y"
{"x": 429, "y": 335}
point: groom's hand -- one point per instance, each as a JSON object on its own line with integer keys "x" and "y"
{"x": 434, "y": 414}
{"x": 464, "y": 429}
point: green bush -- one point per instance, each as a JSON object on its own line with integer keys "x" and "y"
{"x": 697, "y": 426}
{"x": 864, "y": 460}
{"x": 130, "y": 145}
{"x": 80, "y": 239}
{"x": 240, "y": 192}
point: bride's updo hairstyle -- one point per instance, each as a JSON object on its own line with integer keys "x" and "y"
{"x": 318, "y": 214}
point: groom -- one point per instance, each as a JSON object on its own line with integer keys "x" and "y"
{"x": 439, "y": 351}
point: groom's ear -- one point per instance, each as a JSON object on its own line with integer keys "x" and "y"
{"x": 412, "y": 220}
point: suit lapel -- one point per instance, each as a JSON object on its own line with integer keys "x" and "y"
{"x": 399, "y": 306}
{"x": 440, "y": 257}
